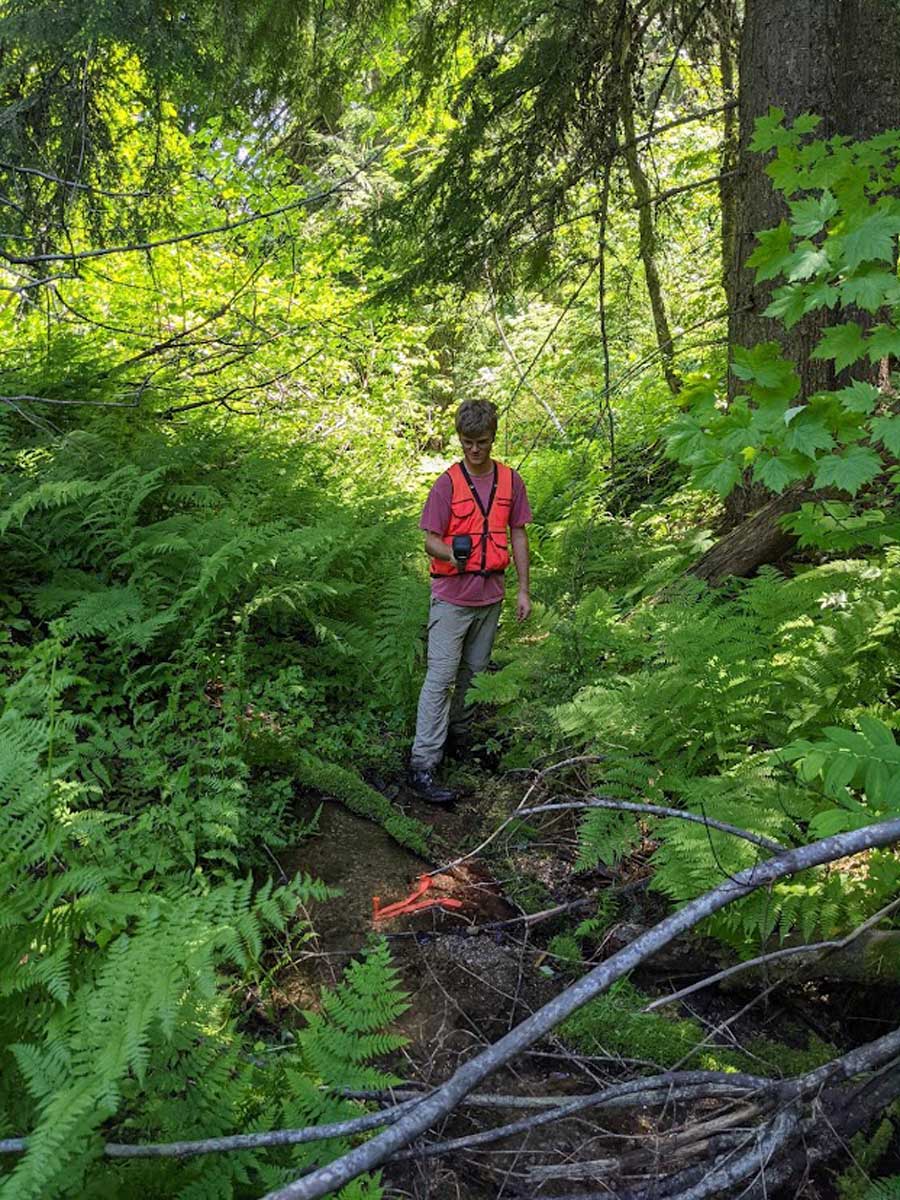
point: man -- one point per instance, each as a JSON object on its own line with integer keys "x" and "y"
{"x": 470, "y": 507}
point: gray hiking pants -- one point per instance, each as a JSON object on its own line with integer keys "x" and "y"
{"x": 460, "y": 640}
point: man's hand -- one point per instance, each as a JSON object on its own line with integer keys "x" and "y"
{"x": 523, "y": 606}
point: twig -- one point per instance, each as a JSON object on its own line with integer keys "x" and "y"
{"x": 71, "y": 183}
{"x": 636, "y": 1090}
{"x": 723, "y": 1177}
{"x": 83, "y": 403}
{"x": 334, "y": 1175}
{"x": 501, "y": 333}
{"x": 240, "y": 1141}
{"x": 685, "y": 187}
{"x": 566, "y": 762}
{"x": 815, "y": 948}
{"x": 661, "y": 1095}
{"x": 556, "y": 324}
{"x": 657, "y": 810}
{"x": 226, "y": 227}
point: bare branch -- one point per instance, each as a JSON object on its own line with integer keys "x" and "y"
{"x": 656, "y": 810}
{"x": 71, "y": 183}
{"x": 685, "y": 187}
{"x": 240, "y": 1141}
{"x": 13, "y": 400}
{"x": 334, "y": 1175}
{"x": 501, "y": 333}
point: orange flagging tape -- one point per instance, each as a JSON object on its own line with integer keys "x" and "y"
{"x": 413, "y": 902}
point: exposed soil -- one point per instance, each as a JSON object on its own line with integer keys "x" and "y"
{"x": 473, "y": 972}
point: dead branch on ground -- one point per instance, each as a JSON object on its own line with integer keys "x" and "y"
{"x": 785, "y": 1108}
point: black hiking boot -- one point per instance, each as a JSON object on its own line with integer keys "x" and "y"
{"x": 422, "y": 784}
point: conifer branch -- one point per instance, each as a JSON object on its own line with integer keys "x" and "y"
{"x": 225, "y": 227}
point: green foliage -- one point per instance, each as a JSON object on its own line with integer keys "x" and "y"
{"x": 614, "y": 1024}
{"x": 836, "y": 257}
{"x": 702, "y": 700}
{"x": 883, "y": 1189}
{"x": 856, "y": 1183}
{"x": 212, "y": 592}
{"x": 858, "y": 770}
{"x": 166, "y": 609}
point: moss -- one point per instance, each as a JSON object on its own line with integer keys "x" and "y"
{"x": 350, "y": 790}
{"x": 529, "y": 893}
{"x": 340, "y": 784}
{"x": 615, "y": 1024}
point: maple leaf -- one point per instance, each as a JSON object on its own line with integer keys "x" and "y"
{"x": 858, "y": 396}
{"x": 721, "y": 475}
{"x": 789, "y": 304}
{"x": 772, "y": 253}
{"x": 844, "y": 343}
{"x": 765, "y": 365}
{"x": 871, "y": 289}
{"x": 776, "y": 471}
{"x": 833, "y": 167}
{"x": 884, "y": 342}
{"x": 872, "y": 239}
{"x": 806, "y": 123}
{"x": 688, "y": 440}
{"x": 855, "y": 466}
{"x": 887, "y": 431}
{"x": 769, "y": 131}
{"x": 809, "y": 216}
{"x": 806, "y": 261}
{"x": 782, "y": 170}
{"x": 808, "y": 434}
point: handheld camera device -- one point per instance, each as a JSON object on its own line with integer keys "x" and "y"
{"x": 462, "y": 548}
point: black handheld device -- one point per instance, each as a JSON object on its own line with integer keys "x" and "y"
{"x": 462, "y": 548}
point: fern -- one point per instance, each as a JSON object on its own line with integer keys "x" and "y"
{"x": 398, "y": 639}
{"x": 884, "y": 1189}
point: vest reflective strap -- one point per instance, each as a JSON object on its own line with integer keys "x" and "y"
{"x": 481, "y": 524}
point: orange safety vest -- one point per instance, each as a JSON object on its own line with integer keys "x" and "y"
{"x": 486, "y": 527}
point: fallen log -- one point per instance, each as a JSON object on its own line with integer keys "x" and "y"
{"x": 759, "y": 539}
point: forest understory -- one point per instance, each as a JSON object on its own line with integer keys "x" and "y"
{"x": 471, "y": 975}
{"x": 252, "y": 259}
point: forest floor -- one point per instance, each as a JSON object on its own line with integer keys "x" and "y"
{"x": 472, "y": 974}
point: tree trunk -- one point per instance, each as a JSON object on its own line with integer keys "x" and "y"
{"x": 643, "y": 196}
{"x": 728, "y": 46}
{"x": 841, "y": 60}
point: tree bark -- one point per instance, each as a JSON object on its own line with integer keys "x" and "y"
{"x": 728, "y": 67}
{"x": 758, "y": 539}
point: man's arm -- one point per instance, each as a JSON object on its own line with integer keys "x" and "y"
{"x": 519, "y": 537}
{"x": 436, "y": 547}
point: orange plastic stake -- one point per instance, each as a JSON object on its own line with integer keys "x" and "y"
{"x": 413, "y": 902}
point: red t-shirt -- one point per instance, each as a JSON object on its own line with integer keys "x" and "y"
{"x": 469, "y": 589}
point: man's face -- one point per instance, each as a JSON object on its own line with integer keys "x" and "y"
{"x": 476, "y": 450}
